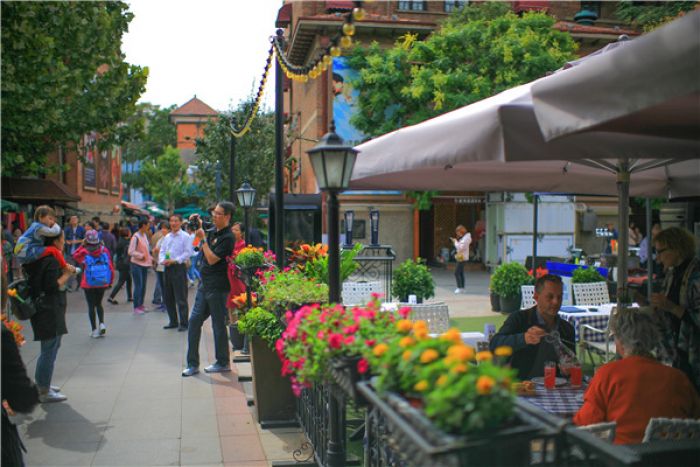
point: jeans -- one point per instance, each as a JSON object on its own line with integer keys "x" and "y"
{"x": 459, "y": 274}
{"x": 124, "y": 278}
{"x": 208, "y": 303}
{"x": 175, "y": 293}
{"x": 193, "y": 272}
{"x": 139, "y": 274}
{"x": 158, "y": 291}
{"x": 45, "y": 362}
{"x": 94, "y": 301}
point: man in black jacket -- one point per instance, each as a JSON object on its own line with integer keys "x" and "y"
{"x": 525, "y": 330}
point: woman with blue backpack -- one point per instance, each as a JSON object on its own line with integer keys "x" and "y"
{"x": 98, "y": 273}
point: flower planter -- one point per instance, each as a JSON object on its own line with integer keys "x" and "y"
{"x": 510, "y": 304}
{"x": 346, "y": 376}
{"x": 405, "y": 436}
{"x": 495, "y": 301}
{"x": 274, "y": 402}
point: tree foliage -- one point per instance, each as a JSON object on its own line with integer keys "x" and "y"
{"x": 481, "y": 50}
{"x": 254, "y": 159}
{"x": 63, "y": 75}
{"x": 650, "y": 15}
{"x": 165, "y": 178}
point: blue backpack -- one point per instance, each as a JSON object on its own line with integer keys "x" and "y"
{"x": 97, "y": 271}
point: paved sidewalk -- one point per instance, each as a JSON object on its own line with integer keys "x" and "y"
{"x": 128, "y": 405}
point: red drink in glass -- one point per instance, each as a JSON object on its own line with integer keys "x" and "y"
{"x": 550, "y": 374}
{"x": 576, "y": 376}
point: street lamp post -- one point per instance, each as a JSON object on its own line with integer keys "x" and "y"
{"x": 246, "y": 199}
{"x": 332, "y": 162}
{"x": 232, "y": 163}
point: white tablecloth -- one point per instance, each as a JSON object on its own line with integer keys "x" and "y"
{"x": 596, "y": 316}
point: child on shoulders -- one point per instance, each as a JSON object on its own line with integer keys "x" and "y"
{"x": 30, "y": 246}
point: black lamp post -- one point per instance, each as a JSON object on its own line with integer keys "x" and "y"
{"x": 349, "y": 218}
{"x": 374, "y": 226}
{"x": 246, "y": 199}
{"x": 332, "y": 162}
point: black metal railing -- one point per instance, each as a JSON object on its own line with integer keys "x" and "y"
{"x": 375, "y": 263}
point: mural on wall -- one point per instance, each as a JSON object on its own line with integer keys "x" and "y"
{"x": 345, "y": 101}
{"x": 115, "y": 184}
{"x": 104, "y": 169}
{"x": 89, "y": 164}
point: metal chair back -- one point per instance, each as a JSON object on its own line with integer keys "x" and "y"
{"x": 591, "y": 293}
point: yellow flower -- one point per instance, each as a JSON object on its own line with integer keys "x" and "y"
{"x": 442, "y": 380}
{"x": 421, "y": 385}
{"x": 460, "y": 352}
{"x": 407, "y": 355}
{"x": 483, "y": 356}
{"x": 484, "y": 385}
{"x": 380, "y": 349}
{"x": 503, "y": 351}
{"x": 420, "y": 333}
{"x": 420, "y": 324}
{"x": 452, "y": 335}
{"x": 459, "y": 368}
{"x": 404, "y": 326}
{"x": 429, "y": 355}
{"x": 406, "y": 341}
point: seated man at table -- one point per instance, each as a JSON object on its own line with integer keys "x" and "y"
{"x": 637, "y": 388}
{"x": 525, "y": 330}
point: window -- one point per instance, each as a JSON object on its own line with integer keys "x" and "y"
{"x": 413, "y": 5}
{"x": 452, "y": 5}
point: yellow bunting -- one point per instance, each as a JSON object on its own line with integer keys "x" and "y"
{"x": 335, "y": 51}
{"x": 346, "y": 42}
{"x": 358, "y": 14}
{"x": 349, "y": 29}
{"x": 327, "y": 60}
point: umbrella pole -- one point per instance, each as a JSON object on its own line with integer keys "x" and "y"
{"x": 650, "y": 262}
{"x": 535, "y": 208}
{"x": 623, "y": 191}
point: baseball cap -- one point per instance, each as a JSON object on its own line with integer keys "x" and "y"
{"x": 92, "y": 237}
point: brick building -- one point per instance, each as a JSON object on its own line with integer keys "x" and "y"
{"x": 311, "y": 106}
{"x": 190, "y": 119}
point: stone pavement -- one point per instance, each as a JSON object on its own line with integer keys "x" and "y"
{"x": 128, "y": 405}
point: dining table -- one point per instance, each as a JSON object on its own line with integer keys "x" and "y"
{"x": 563, "y": 401}
{"x": 595, "y": 316}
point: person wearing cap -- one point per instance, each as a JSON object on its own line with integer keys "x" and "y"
{"x": 95, "y": 291}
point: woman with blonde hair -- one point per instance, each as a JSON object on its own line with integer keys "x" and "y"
{"x": 461, "y": 244}
{"x": 679, "y": 304}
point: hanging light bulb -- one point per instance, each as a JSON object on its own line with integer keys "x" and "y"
{"x": 335, "y": 51}
{"x": 358, "y": 14}
{"x": 349, "y": 29}
{"x": 346, "y": 42}
{"x": 324, "y": 65}
{"x": 327, "y": 60}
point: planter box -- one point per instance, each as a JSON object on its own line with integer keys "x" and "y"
{"x": 346, "y": 376}
{"x": 510, "y": 304}
{"x": 235, "y": 336}
{"x": 274, "y": 401}
{"x": 400, "y": 434}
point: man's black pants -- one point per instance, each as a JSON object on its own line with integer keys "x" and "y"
{"x": 175, "y": 293}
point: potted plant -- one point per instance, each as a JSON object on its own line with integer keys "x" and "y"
{"x": 312, "y": 261}
{"x": 506, "y": 282}
{"x": 289, "y": 290}
{"x": 583, "y": 275}
{"x": 413, "y": 278}
{"x": 274, "y": 401}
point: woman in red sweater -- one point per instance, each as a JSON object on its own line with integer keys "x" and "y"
{"x": 637, "y": 388}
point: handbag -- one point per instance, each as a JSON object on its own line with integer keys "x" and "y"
{"x": 459, "y": 257}
{"x": 22, "y": 304}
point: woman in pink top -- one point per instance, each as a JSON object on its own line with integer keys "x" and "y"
{"x": 141, "y": 260}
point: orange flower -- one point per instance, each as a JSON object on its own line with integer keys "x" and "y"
{"x": 404, "y": 326}
{"x": 503, "y": 351}
{"x": 420, "y": 333}
{"x": 380, "y": 349}
{"x": 406, "y": 356}
{"x": 429, "y": 355}
{"x": 483, "y": 356}
{"x": 484, "y": 385}
{"x": 459, "y": 368}
{"x": 421, "y": 385}
{"x": 460, "y": 353}
{"x": 420, "y": 324}
{"x": 452, "y": 335}
{"x": 442, "y": 380}
{"x": 406, "y": 341}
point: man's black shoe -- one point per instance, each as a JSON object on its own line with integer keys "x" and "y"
{"x": 170, "y": 326}
{"x": 182, "y": 328}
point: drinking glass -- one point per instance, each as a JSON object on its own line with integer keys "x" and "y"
{"x": 576, "y": 375}
{"x": 550, "y": 374}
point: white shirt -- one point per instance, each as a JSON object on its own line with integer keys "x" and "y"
{"x": 462, "y": 245}
{"x": 178, "y": 245}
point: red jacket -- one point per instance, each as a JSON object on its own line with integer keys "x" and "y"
{"x": 79, "y": 257}
{"x": 633, "y": 390}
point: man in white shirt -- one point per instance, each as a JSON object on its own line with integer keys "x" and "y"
{"x": 175, "y": 251}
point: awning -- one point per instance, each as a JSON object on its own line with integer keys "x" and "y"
{"x": 37, "y": 189}
{"x": 8, "y": 205}
{"x": 127, "y": 206}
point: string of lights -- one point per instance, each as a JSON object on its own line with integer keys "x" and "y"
{"x": 242, "y": 130}
{"x": 342, "y": 40}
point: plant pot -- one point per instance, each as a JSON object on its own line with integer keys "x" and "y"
{"x": 405, "y": 299}
{"x": 274, "y": 401}
{"x": 235, "y": 336}
{"x": 495, "y": 301}
{"x": 510, "y": 304}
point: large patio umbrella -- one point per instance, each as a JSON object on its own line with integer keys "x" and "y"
{"x": 496, "y": 144}
{"x": 649, "y": 86}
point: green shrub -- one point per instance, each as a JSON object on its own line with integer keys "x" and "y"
{"x": 413, "y": 278}
{"x": 507, "y": 279}
{"x": 260, "y": 322}
{"x": 582, "y": 275}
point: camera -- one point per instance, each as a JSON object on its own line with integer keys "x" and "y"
{"x": 200, "y": 223}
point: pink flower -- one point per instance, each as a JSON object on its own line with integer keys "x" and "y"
{"x": 376, "y": 295}
{"x": 404, "y": 312}
{"x": 370, "y": 342}
{"x": 286, "y": 370}
{"x": 351, "y": 329}
{"x": 362, "y": 366}
{"x": 321, "y": 335}
{"x": 335, "y": 341}
{"x": 349, "y": 340}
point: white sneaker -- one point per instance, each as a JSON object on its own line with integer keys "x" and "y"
{"x": 95, "y": 333}
{"x": 103, "y": 329}
{"x": 458, "y": 290}
{"x": 51, "y": 396}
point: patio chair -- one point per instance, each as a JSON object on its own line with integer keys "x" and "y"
{"x": 436, "y": 314}
{"x": 605, "y": 349}
{"x": 604, "y": 430}
{"x": 591, "y": 293}
{"x": 528, "y": 296}
{"x": 672, "y": 429}
{"x": 359, "y": 293}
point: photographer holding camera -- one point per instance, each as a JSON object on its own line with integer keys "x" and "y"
{"x": 216, "y": 244}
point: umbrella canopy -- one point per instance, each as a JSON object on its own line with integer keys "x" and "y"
{"x": 7, "y": 205}
{"x": 650, "y": 86}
